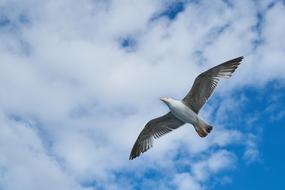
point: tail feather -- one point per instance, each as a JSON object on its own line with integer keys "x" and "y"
{"x": 208, "y": 128}
{"x": 203, "y": 129}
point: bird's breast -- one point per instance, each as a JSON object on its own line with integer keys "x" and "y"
{"x": 182, "y": 112}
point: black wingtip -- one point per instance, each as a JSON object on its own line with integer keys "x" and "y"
{"x": 136, "y": 151}
{"x": 238, "y": 59}
{"x": 139, "y": 149}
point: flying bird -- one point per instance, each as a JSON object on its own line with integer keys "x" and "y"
{"x": 185, "y": 110}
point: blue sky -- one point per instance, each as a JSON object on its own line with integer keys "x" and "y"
{"x": 79, "y": 80}
{"x": 266, "y": 172}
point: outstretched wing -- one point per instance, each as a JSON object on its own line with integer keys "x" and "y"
{"x": 155, "y": 128}
{"x": 207, "y": 81}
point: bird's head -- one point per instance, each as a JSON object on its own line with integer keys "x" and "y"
{"x": 166, "y": 100}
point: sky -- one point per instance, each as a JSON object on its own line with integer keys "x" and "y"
{"x": 80, "y": 79}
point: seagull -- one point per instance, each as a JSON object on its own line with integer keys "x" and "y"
{"x": 185, "y": 110}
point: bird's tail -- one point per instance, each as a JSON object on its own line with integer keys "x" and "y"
{"x": 202, "y": 128}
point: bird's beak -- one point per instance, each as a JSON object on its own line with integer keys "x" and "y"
{"x": 163, "y": 99}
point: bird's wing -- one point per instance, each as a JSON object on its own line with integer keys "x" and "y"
{"x": 207, "y": 81}
{"x": 155, "y": 128}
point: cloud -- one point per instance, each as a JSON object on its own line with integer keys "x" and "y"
{"x": 184, "y": 181}
{"x": 79, "y": 80}
{"x": 25, "y": 164}
{"x": 216, "y": 162}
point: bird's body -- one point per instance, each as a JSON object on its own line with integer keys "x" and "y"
{"x": 185, "y": 114}
{"x": 181, "y": 111}
{"x": 186, "y": 110}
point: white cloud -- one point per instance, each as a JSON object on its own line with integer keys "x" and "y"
{"x": 63, "y": 69}
{"x": 216, "y": 162}
{"x": 251, "y": 153}
{"x": 184, "y": 181}
{"x": 24, "y": 162}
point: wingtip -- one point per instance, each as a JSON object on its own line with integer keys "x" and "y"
{"x": 135, "y": 151}
{"x": 133, "y": 155}
{"x": 241, "y": 57}
{"x": 131, "y": 158}
{"x": 235, "y": 61}
{"x": 238, "y": 59}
